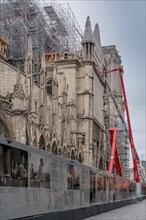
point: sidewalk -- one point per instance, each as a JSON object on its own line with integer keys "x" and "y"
{"x": 131, "y": 212}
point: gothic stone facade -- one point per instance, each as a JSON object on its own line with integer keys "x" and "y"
{"x": 69, "y": 112}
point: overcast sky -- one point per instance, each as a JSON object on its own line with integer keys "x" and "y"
{"x": 122, "y": 23}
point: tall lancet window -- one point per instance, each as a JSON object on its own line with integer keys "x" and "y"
{"x": 42, "y": 143}
{"x": 50, "y": 84}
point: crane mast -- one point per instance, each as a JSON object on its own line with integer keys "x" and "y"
{"x": 115, "y": 160}
{"x": 133, "y": 151}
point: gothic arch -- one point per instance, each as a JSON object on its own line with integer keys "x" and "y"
{"x": 50, "y": 87}
{"x": 42, "y": 142}
{"x": 4, "y": 129}
{"x": 64, "y": 151}
{"x": 73, "y": 155}
{"x": 47, "y": 137}
{"x": 27, "y": 138}
{"x": 35, "y": 141}
{"x": 60, "y": 152}
{"x": 76, "y": 156}
{"x": 54, "y": 148}
{"x": 48, "y": 147}
{"x": 68, "y": 155}
{"x": 80, "y": 158}
{"x": 101, "y": 163}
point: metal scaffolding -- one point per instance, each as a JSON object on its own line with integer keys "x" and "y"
{"x": 53, "y": 28}
{"x": 122, "y": 145}
{"x": 123, "y": 149}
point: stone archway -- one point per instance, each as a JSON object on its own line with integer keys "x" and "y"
{"x": 42, "y": 143}
{"x": 54, "y": 148}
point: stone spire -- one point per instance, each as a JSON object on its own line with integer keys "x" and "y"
{"x": 98, "y": 48}
{"x": 88, "y": 42}
{"x": 88, "y": 37}
{"x": 43, "y": 63}
{"x": 43, "y": 94}
{"x": 96, "y": 34}
{"x": 29, "y": 76}
{"x": 29, "y": 51}
{"x": 29, "y": 57}
{"x": 43, "y": 81}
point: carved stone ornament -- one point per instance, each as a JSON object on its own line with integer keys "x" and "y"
{"x": 106, "y": 99}
{"x": 118, "y": 60}
{"x": 112, "y": 54}
{"x": 5, "y": 104}
{"x": 106, "y": 51}
{"x": 18, "y": 91}
{"x": 33, "y": 118}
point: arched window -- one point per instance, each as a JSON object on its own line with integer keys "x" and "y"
{"x": 80, "y": 158}
{"x": 34, "y": 143}
{"x": 48, "y": 147}
{"x": 65, "y": 55}
{"x": 101, "y": 163}
{"x": 27, "y": 138}
{"x": 42, "y": 143}
{"x": 72, "y": 155}
{"x": 76, "y": 156}
{"x": 68, "y": 155}
{"x": 50, "y": 87}
{"x": 64, "y": 151}
{"x": 54, "y": 148}
{"x": 60, "y": 152}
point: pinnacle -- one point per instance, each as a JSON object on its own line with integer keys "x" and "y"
{"x": 88, "y": 36}
{"x": 96, "y": 34}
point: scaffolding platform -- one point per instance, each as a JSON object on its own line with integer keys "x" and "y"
{"x": 52, "y": 25}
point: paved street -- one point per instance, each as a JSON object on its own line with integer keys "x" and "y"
{"x": 130, "y": 212}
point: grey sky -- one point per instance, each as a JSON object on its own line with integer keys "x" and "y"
{"x": 122, "y": 23}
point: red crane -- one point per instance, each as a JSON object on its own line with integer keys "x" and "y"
{"x": 133, "y": 151}
{"x": 115, "y": 160}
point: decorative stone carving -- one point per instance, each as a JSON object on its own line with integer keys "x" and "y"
{"x": 18, "y": 91}
{"x": 112, "y": 54}
{"x": 33, "y": 118}
{"x": 5, "y": 104}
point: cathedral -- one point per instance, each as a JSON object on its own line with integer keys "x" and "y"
{"x": 69, "y": 112}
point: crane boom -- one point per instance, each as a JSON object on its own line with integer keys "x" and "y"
{"x": 115, "y": 160}
{"x": 133, "y": 151}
